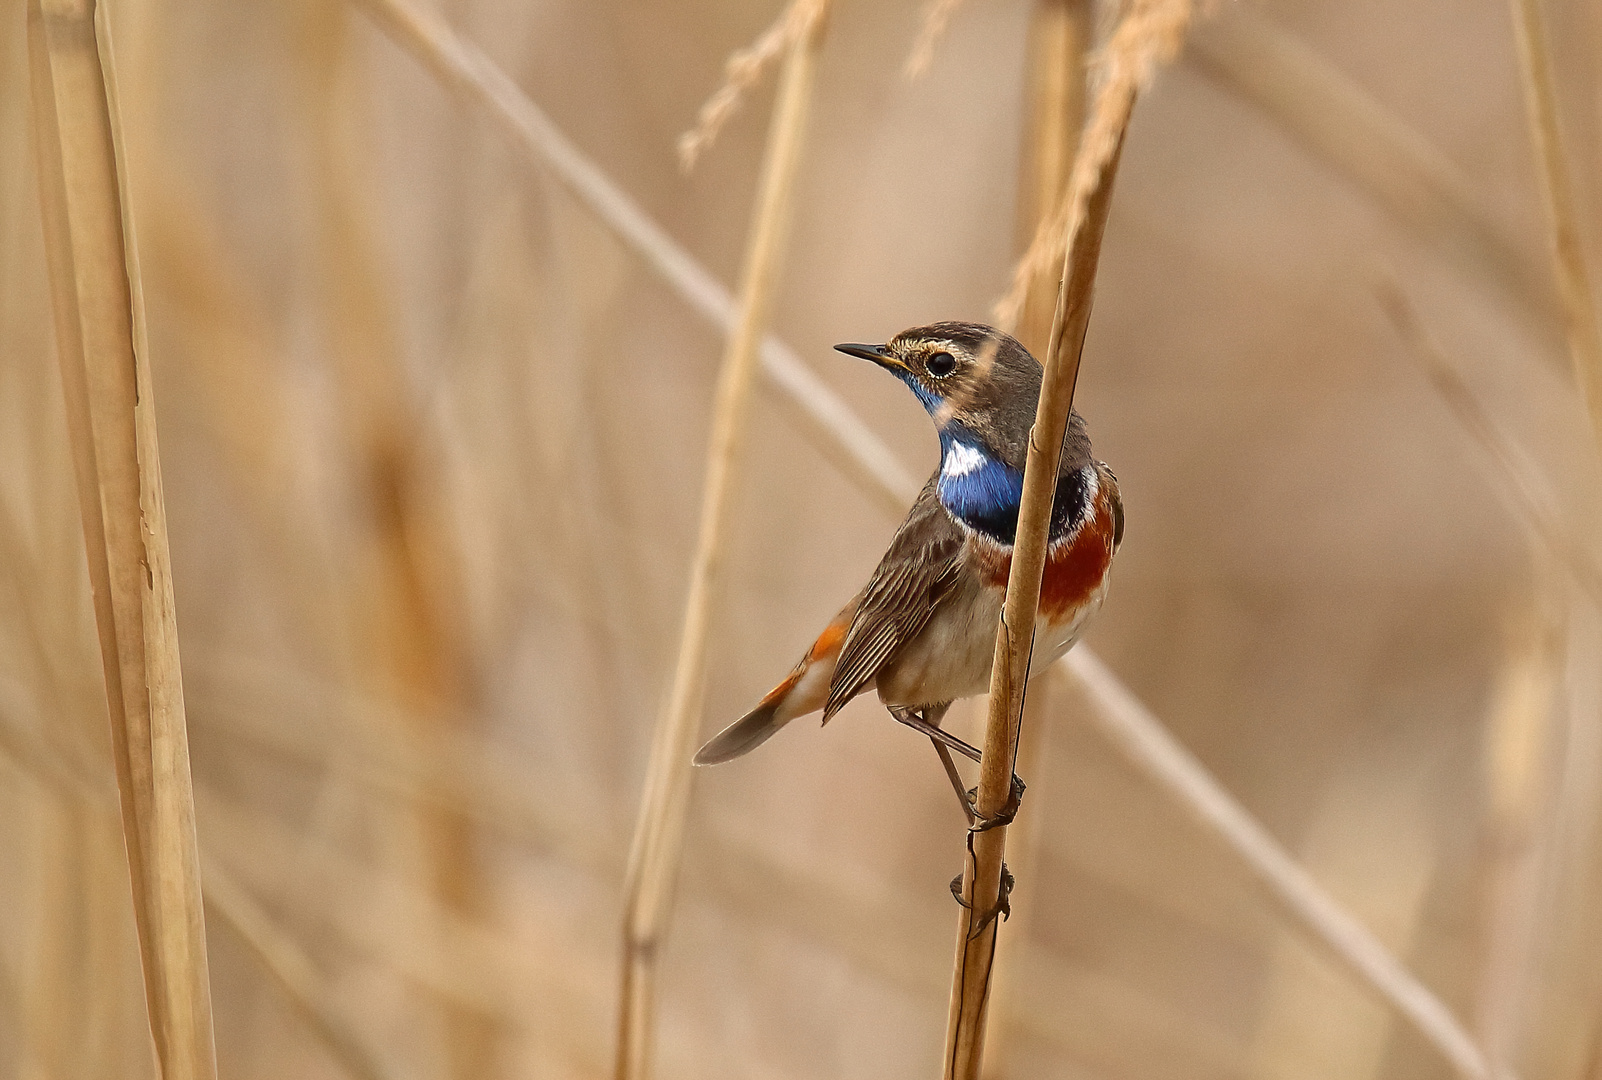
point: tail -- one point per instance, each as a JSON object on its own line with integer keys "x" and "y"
{"x": 806, "y": 689}
{"x": 744, "y": 735}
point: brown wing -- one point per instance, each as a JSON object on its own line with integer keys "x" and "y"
{"x": 914, "y": 576}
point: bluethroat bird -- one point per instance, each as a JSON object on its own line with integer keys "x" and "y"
{"x": 922, "y": 632}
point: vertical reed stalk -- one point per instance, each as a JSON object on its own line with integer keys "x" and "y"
{"x": 982, "y": 871}
{"x": 1521, "y": 751}
{"x": 1060, "y": 35}
{"x": 1563, "y": 215}
{"x": 105, "y": 370}
{"x": 664, "y": 806}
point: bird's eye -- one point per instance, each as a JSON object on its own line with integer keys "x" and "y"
{"x": 940, "y": 364}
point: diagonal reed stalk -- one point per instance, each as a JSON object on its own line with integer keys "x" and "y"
{"x": 1334, "y": 118}
{"x": 1132, "y": 730}
{"x": 841, "y": 435}
{"x": 1149, "y": 33}
{"x": 1517, "y": 478}
{"x": 982, "y": 870}
{"x": 1060, "y": 35}
{"x": 105, "y": 371}
{"x": 1563, "y": 215}
{"x": 464, "y": 69}
{"x": 664, "y": 806}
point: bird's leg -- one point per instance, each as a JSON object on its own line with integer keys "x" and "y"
{"x": 944, "y": 742}
{"x": 919, "y": 720}
{"x": 914, "y": 719}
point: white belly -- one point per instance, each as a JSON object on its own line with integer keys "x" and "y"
{"x": 952, "y": 657}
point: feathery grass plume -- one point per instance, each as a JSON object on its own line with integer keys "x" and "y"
{"x": 664, "y": 805}
{"x": 1563, "y": 214}
{"x": 936, "y": 17}
{"x": 1060, "y": 35}
{"x": 105, "y": 365}
{"x": 741, "y": 75}
{"x": 1150, "y": 34}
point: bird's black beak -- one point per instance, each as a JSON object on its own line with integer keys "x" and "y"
{"x": 879, "y": 354}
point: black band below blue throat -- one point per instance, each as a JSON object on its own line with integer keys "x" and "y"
{"x": 984, "y": 493}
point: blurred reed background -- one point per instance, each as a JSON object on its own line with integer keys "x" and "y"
{"x": 433, "y": 440}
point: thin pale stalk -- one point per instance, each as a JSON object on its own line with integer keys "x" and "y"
{"x": 1563, "y": 215}
{"x": 1141, "y": 737}
{"x": 1337, "y": 120}
{"x": 1060, "y": 36}
{"x": 110, "y": 407}
{"x": 293, "y": 972}
{"x": 664, "y": 807}
{"x": 1517, "y": 478}
{"x": 823, "y": 416}
{"x": 1519, "y": 761}
{"x": 982, "y": 870}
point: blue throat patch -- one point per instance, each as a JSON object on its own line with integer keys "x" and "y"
{"x": 984, "y": 492}
{"x": 979, "y": 489}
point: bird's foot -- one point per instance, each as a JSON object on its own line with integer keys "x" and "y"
{"x": 1004, "y": 816}
{"x": 1003, "y": 905}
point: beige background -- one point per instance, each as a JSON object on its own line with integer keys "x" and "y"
{"x": 433, "y": 443}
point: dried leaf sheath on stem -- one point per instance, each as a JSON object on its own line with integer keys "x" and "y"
{"x": 664, "y": 805}
{"x": 110, "y": 408}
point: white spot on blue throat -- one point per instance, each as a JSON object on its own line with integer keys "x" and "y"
{"x": 962, "y": 459}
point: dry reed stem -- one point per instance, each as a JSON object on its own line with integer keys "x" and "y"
{"x": 1520, "y": 744}
{"x": 1333, "y": 117}
{"x": 465, "y": 70}
{"x": 293, "y": 972}
{"x": 664, "y": 806}
{"x": 936, "y": 17}
{"x": 1151, "y": 33}
{"x": 741, "y": 75}
{"x": 1141, "y": 737}
{"x": 1517, "y": 479}
{"x": 848, "y": 442}
{"x": 1059, "y": 38}
{"x": 105, "y": 368}
{"x": 983, "y": 868}
{"x": 1563, "y": 215}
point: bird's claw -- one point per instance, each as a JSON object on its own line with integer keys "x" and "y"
{"x": 1003, "y": 905}
{"x": 1004, "y": 816}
